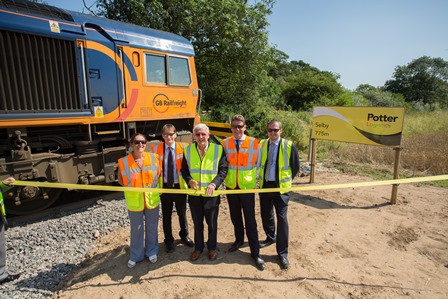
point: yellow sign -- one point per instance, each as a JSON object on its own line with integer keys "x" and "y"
{"x": 364, "y": 125}
{"x": 98, "y": 111}
{"x": 54, "y": 27}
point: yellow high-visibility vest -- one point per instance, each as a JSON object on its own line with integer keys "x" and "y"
{"x": 205, "y": 170}
{"x": 284, "y": 169}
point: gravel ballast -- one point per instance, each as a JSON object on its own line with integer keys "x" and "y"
{"x": 45, "y": 251}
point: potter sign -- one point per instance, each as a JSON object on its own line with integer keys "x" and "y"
{"x": 364, "y": 125}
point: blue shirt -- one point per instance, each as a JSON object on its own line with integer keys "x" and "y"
{"x": 274, "y": 160}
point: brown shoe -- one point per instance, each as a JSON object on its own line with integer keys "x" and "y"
{"x": 195, "y": 255}
{"x": 212, "y": 254}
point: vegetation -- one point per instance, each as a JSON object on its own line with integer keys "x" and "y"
{"x": 423, "y": 80}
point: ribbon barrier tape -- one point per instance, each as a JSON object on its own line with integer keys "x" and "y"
{"x": 218, "y": 192}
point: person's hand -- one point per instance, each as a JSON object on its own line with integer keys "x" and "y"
{"x": 8, "y": 181}
{"x": 210, "y": 189}
{"x": 193, "y": 184}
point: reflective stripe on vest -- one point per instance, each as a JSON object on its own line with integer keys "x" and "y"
{"x": 146, "y": 177}
{"x": 205, "y": 170}
{"x": 3, "y": 188}
{"x": 2, "y": 205}
{"x": 159, "y": 149}
{"x": 284, "y": 169}
{"x": 242, "y": 164}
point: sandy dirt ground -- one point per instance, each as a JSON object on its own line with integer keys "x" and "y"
{"x": 344, "y": 243}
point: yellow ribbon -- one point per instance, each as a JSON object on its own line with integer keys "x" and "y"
{"x": 218, "y": 192}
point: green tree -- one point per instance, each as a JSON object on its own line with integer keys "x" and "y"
{"x": 307, "y": 86}
{"x": 378, "y": 97}
{"x": 423, "y": 80}
{"x": 230, "y": 40}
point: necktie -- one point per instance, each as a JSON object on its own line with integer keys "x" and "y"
{"x": 270, "y": 158}
{"x": 170, "y": 174}
{"x": 237, "y": 143}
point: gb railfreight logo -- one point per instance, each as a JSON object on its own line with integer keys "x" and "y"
{"x": 364, "y": 125}
{"x": 162, "y": 103}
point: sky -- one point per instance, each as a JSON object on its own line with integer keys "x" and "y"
{"x": 360, "y": 40}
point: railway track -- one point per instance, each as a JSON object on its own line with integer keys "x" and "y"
{"x": 69, "y": 202}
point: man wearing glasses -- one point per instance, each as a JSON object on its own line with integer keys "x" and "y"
{"x": 242, "y": 158}
{"x": 204, "y": 168}
{"x": 172, "y": 154}
{"x": 279, "y": 166}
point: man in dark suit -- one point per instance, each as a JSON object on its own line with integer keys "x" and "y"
{"x": 172, "y": 154}
{"x": 279, "y": 165}
{"x": 204, "y": 168}
{"x": 242, "y": 158}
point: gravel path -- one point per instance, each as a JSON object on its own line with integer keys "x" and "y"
{"x": 47, "y": 250}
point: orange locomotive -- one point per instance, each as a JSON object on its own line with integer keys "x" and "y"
{"x": 75, "y": 87}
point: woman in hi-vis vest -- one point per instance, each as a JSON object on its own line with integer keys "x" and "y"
{"x": 141, "y": 169}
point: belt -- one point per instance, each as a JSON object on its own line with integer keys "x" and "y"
{"x": 173, "y": 186}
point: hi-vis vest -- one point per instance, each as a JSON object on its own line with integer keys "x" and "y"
{"x": 284, "y": 169}
{"x": 159, "y": 148}
{"x": 3, "y": 188}
{"x": 242, "y": 171}
{"x": 205, "y": 170}
{"x": 146, "y": 177}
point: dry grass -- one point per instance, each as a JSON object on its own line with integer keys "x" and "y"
{"x": 423, "y": 154}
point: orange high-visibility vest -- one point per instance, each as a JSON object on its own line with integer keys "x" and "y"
{"x": 147, "y": 177}
{"x": 159, "y": 148}
{"x": 243, "y": 164}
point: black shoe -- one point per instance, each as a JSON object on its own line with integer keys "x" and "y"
{"x": 187, "y": 241}
{"x": 284, "y": 264}
{"x": 236, "y": 245}
{"x": 169, "y": 248}
{"x": 266, "y": 243}
{"x": 259, "y": 263}
{"x": 10, "y": 277}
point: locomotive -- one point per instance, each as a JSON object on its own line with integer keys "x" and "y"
{"x": 75, "y": 87}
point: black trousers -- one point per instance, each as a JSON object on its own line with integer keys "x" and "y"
{"x": 267, "y": 203}
{"x": 205, "y": 208}
{"x": 168, "y": 201}
{"x": 240, "y": 204}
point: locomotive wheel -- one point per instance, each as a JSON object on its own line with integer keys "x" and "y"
{"x": 30, "y": 199}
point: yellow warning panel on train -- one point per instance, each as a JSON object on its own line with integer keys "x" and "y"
{"x": 365, "y": 125}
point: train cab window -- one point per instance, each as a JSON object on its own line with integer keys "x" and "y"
{"x": 179, "y": 71}
{"x": 155, "y": 69}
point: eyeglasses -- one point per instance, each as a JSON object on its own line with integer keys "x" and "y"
{"x": 139, "y": 141}
{"x": 169, "y": 134}
{"x": 273, "y": 130}
{"x": 200, "y": 134}
{"x": 237, "y": 127}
